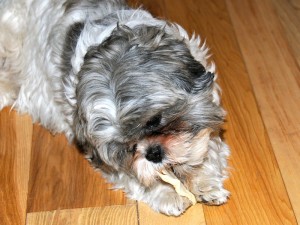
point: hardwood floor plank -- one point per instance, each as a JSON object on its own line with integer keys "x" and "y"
{"x": 112, "y": 215}
{"x": 193, "y": 216}
{"x": 61, "y": 178}
{"x": 289, "y": 14}
{"x": 255, "y": 177}
{"x": 276, "y": 83}
{"x": 15, "y": 148}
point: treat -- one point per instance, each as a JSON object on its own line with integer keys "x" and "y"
{"x": 179, "y": 187}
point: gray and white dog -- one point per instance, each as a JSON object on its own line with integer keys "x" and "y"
{"x": 135, "y": 92}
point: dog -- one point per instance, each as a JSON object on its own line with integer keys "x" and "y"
{"x": 136, "y": 94}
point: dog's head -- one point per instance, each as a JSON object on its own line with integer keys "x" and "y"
{"x": 144, "y": 103}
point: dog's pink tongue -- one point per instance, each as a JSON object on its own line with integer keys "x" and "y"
{"x": 170, "y": 178}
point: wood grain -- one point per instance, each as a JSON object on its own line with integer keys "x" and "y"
{"x": 112, "y": 215}
{"x": 193, "y": 216}
{"x": 60, "y": 177}
{"x": 276, "y": 83}
{"x": 15, "y": 147}
{"x": 289, "y": 14}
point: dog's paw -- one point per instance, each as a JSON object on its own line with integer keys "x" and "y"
{"x": 214, "y": 197}
{"x": 171, "y": 204}
{"x": 6, "y": 98}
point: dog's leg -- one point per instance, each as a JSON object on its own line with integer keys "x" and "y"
{"x": 12, "y": 26}
{"x": 9, "y": 81}
{"x": 207, "y": 186}
{"x": 8, "y": 92}
{"x": 8, "y": 75}
{"x": 161, "y": 197}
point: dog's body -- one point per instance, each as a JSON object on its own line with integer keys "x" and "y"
{"x": 135, "y": 92}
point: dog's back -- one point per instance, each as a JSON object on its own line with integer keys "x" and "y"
{"x": 31, "y": 41}
{"x": 25, "y": 58}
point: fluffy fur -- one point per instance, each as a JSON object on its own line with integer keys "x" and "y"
{"x": 135, "y": 92}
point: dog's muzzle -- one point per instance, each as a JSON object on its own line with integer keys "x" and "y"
{"x": 155, "y": 154}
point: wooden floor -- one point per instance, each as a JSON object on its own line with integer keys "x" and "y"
{"x": 256, "y": 47}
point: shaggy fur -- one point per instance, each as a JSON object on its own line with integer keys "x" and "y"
{"x": 135, "y": 92}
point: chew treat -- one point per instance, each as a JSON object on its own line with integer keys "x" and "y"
{"x": 179, "y": 187}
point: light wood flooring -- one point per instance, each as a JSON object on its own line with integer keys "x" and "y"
{"x": 256, "y": 47}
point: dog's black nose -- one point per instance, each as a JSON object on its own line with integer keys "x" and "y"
{"x": 155, "y": 154}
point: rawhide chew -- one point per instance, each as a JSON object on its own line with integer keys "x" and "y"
{"x": 179, "y": 187}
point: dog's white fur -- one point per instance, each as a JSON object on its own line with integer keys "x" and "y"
{"x": 31, "y": 41}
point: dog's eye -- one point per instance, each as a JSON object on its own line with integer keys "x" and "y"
{"x": 133, "y": 149}
{"x": 154, "y": 122}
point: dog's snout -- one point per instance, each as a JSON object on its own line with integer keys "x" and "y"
{"x": 155, "y": 154}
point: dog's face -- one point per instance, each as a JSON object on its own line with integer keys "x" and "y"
{"x": 145, "y": 104}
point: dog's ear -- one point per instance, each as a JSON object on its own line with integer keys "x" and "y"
{"x": 203, "y": 82}
{"x": 202, "y": 79}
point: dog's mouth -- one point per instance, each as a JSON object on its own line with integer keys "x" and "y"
{"x": 176, "y": 154}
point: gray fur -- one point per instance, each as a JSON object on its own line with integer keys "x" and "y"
{"x": 142, "y": 72}
{"x": 135, "y": 92}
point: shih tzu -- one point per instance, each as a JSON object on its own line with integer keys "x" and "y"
{"x": 135, "y": 92}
